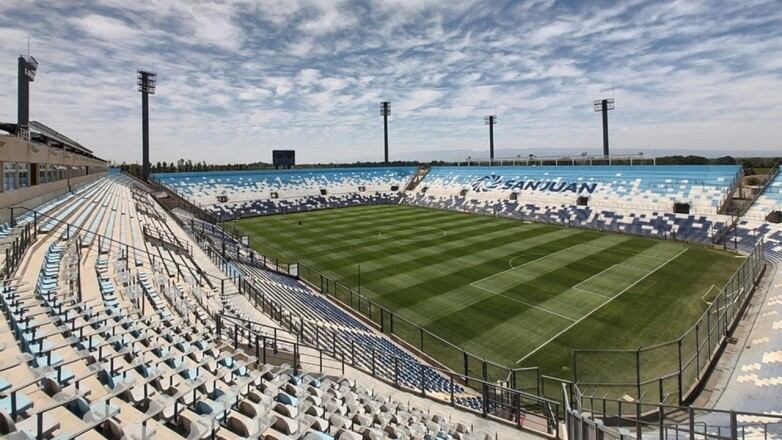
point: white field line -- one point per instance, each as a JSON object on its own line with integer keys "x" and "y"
{"x": 577, "y": 286}
{"x": 522, "y": 265}
{"x": 630, "y": 253}
{"x": 510, "y": 260}
{"x": 590, "y": 292}
{"x": 542, "y": 309}
{"x": 703, "y": 298}
{"x": 601, "y": 305}
{"x": 633, "y": 267}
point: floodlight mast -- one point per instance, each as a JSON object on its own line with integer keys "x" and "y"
{"x": 28, "y": 66}
{"x": 490, "y": 121}
{"x": 385, "y": 110}
{"x": 147, "y": 82}
{"x": 603, "y": 106}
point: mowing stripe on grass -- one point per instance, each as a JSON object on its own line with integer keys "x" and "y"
{"x": 352, "y": 236}
{"x": 600, "y": 306}
{"x": 451, "y": 277}
{"x": 542, "y": 309}
{"x": 528, "y": 271}
{"x": 347, "y": 239}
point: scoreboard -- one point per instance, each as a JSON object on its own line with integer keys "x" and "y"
{"x": 283, "y": 158}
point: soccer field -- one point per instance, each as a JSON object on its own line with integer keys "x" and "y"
{"x": 518, "y": 294}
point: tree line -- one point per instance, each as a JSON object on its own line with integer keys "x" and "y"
{"x": 750, "y": 164}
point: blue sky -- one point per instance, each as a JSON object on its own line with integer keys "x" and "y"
{"x": 240, "y": 78}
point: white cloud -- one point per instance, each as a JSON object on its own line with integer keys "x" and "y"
{"x": 105, "y": 28}
{"x": 308, "y": 74}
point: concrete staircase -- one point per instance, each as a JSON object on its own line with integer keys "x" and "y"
{"x": 741, "y": 197}
{"x": 419, "y": 175}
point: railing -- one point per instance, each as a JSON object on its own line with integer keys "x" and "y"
{"x": 770, "y": 176}
{"x": 166, "y": 239}
{"x": 321, "y": 337}
{"x": 18, "y": 244}
{"x": 181, "y": 202}
{"x": 104, "y": 243}
{"x": 229, "y": 244}
{"x": 644, "y": 374}
{"x": 433, "y": 347}
{"x": 588, "y": 418}
{"x": 521, "y": 409}
{"x": 726, "y": 200}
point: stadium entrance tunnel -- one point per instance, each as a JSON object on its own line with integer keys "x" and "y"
{"x": 681, "y": 208}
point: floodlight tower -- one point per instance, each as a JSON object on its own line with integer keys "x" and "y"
{"x": 604, "y": 105}
{"x": 490, "y": 121}
{"x": 147, "y": 82}
{"x": 28, "y": 66}
{"x": 385, "y": 110}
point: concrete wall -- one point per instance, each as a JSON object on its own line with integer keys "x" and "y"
{"x": 17, "y": 150}
{"x": 33, "y": 196}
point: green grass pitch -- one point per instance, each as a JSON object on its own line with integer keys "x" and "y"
{"x": 517, "y": 293}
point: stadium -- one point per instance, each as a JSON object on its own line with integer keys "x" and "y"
{"x": 587, "y": 296}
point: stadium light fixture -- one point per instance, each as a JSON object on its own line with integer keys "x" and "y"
{"x": 28, "y": 66}
{"x": 490, "y": 120}
{"x": 385, "y": 110}
{"x": 147, "y": 83}
{"x": 603, "y": 106}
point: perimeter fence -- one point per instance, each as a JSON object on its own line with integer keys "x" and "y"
{"x": 671, "y": 371}
{"x": 591, "y": 418}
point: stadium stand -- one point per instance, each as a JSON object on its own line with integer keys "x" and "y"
{"x": 636, "y": 188}
{"x": 769, "y": 201}
{"x": 631, "y": 199}
{"x": 756, "y": 223}
{"x": 246, "y": 193}
{"x": 124, "y": 326}
{"x": 125, "y": 334}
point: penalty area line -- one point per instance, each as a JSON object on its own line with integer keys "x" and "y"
{"x": 601, "y": 306}
{"x": 590, "y": 292}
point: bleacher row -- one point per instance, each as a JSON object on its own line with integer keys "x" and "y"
{"x": 282, "y": 191}
{"x": 638, "y": 188}
{"x": 701, "y": 229}
{"x": 109, "y": 335}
